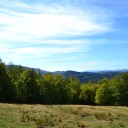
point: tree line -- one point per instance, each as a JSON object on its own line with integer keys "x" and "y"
{"x": 20, "y": 85}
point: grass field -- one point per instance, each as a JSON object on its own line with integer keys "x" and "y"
{"x": 62, "y": 116}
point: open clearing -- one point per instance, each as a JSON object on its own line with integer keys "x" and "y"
{"x": 62, "y": 116}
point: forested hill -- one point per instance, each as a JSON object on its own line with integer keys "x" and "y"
{"x": 25, "y": 85}
{"x": 87, "y": 76}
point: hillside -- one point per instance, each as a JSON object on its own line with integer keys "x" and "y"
{"x": 91, "y": 76}
{"x": 86, "y": 76}
{"x": 62, "y": 116}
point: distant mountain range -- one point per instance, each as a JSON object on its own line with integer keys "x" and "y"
{"x": 87, "y": 75}
{"x": 91, "y": 76}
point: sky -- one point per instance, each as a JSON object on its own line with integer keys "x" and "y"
{"x": 60, "y": 35}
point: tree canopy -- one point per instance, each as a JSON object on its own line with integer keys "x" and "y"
{"x": 21, "y": 85}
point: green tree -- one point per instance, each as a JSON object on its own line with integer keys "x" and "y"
{"x": 14, "y": 71}
{"x": 27, "y": 89}
{"x": 61, "y": 84}
{"x": 120, "y": 87}
{"x": 50, "y": 89}
{"x": 104, "y": 95}
{"x": 6, "y": 87}
{"x": 41, "y": 87}
{"x": 88, "y": 93}
{"x": 73, "y": 90}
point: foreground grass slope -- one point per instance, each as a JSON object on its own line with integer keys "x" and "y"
{"x": 62, "y": 116}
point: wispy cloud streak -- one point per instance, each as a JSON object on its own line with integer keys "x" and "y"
{"x": 48, "y": 22}
{"x": 27, "y": 29}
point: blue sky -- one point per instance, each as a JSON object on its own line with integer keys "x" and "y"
{"x": 54, "y": 35}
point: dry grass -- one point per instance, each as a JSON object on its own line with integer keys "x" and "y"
{"x": 62, "y": 116}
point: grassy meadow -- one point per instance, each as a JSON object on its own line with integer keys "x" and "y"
{"x": 62, "y": 116}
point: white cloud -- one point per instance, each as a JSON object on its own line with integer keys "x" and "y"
{"x": 26, "y": 28}
{"x": 36, "y": 52}
{"x": 29, "y": 26}
{"x": 23, "y": 26}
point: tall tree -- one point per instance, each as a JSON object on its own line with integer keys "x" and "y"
{"x": 6, "y": 87}
{"x": 14, "y": 71}
{"x": 88, "y": 93}
{"x": 73, "y": 89}
{"x": 27, "y": 89}
{"x": 51, "y": 92}
{"x": 120, "y": 87}
{"x": 104, "y": 95}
